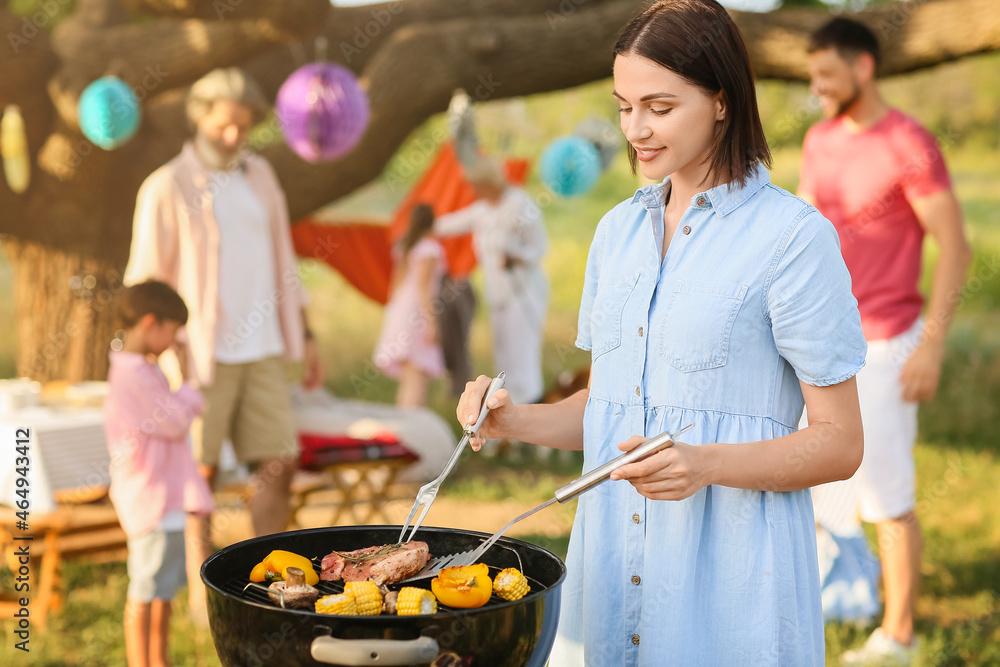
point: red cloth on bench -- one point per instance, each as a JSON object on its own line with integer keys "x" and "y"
{"x": 319, "y": 450}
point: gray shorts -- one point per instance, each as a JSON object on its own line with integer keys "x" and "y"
{"x": 156, "y": 567}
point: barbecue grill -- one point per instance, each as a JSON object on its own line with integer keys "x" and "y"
{"x": 248, "y": 629}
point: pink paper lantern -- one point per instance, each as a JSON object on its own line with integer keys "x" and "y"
{"x": 323, "y": 111}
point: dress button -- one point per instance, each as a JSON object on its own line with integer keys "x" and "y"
{"x": 701, "y": 201}
{"x": 640, "y": 332}
{"x": 635, "y": 639}
{"x": 636, "y": 579}
{"x": 637, "y": 392}
{"x": 635, "y": 518}
{"x": 687, "y": 229}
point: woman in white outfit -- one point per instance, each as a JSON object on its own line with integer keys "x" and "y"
{"x": 509, "y": 239}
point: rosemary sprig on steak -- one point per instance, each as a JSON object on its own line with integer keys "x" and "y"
{"x": 372, "y": 555}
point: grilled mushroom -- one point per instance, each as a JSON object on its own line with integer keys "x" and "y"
{"x": 389, "y": 602}
{"x": 294, "y": 593}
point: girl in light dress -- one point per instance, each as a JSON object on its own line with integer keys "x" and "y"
{"x": 408, "y": 349}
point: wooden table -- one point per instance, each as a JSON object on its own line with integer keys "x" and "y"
{"x": 71, "y": 530}
{"x": 363, "y": 488}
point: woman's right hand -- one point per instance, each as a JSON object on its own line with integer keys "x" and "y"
{"x": 500, "y": 419}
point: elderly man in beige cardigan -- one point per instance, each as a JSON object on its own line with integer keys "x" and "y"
{"x": 213, "y": 223}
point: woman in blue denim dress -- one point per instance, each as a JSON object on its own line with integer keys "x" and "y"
{"x": 712, "y": 298}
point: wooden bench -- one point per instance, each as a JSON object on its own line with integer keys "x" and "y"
{"x": 361, "y": 490}
{"x": 361, "y": 470}
{"x": 72, "y": 530}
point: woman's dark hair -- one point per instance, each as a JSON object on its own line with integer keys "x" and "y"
{"x": 697, "y": 40}
{"x": 151, "y": 298}
{"x": 849, "y": 38}
{"x": 421, "y": 224}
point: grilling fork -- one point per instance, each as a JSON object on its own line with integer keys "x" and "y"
{"x": 428, "y": 492}
{"x": 565, "y": 494}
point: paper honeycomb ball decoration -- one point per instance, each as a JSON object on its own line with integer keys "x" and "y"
{"x": 323, "y": 111}
{"x": 570, "y": 166}
{"x": 109, "y": 112}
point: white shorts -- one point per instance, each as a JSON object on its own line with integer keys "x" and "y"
{"x": 884, "y": 487}
{"x": 156, "y": 565}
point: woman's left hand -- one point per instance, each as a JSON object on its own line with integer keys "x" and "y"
{"x": 671, "y": 474}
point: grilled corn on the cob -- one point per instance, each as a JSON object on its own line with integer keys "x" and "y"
{"x": 414, "y": 601}
{"x": 342, "y": 604}
{"x": 367, "y": 597}
{"x": 510, "y": 584}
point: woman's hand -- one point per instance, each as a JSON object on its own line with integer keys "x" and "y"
{"x": 674, "y": 473}
{"x": 500, "y": 419}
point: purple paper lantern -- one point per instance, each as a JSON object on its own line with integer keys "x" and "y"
{"x": 322, "y": 110}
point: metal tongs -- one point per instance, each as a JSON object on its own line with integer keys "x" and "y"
{"x": 428, "y": 492}
{"x": 565, "y": 494}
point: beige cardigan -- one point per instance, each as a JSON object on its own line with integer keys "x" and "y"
{"x": 175, "y": 238}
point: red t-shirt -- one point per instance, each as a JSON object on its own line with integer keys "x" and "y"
{"x": 863, "y": 183}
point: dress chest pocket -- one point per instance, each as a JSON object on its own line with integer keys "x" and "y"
{"x": 606, "y": 315}
{"x": 695, "y": 331}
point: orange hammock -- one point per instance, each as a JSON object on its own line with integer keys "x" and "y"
{"x": 361, "y": 252}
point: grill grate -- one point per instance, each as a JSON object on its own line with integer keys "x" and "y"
{"x": 256, "y": 594}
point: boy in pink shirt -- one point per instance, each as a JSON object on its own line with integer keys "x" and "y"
{"x": 880, "y": 178}
{"x": 155, "y": 483}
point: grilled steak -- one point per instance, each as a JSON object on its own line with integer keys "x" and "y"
{"x": 384, "y": 565}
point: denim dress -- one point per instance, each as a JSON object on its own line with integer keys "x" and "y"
{"x": 751, "y": 299}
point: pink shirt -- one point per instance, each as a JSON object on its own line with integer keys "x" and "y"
{"x": 863, "y": 182}
{"x": 175, "y": 238}
{"x": 152, "y": 470}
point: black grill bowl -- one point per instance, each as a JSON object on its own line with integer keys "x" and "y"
{"x": 250, "y": 631}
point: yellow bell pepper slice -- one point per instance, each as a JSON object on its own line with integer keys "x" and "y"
{"x": 273, "y": 567}
{"x": 259, "y": 572}
{"x": 463, "y": 587}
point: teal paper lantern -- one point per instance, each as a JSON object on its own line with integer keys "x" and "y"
{"x": 109, "y": 112}
{"x": 570, "y": 166}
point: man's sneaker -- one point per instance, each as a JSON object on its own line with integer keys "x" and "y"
{"x": 881, "y": 649}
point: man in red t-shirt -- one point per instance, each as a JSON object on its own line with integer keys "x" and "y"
{"x": 880, "y": 178}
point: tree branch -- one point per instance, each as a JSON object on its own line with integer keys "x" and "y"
{"x": 913, "y": 35}
{"x": 414, "y": 74}
{"x": 356, "y": 34}
{"x": 168, "y": 53}
{"x": 292, "y": 16}
{"x": 415, "y": 60}
{"x": 24, "y": 68}
{"x": 99, "y": 13}
{"x": 27, "y": 59}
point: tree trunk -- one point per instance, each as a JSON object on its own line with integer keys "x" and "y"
{"x": 64, "y": 304}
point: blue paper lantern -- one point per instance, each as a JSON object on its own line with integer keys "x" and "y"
{"x": 109, "y": 112}
{"x": 322, "y": 110}
{"x": 570, "y": 166}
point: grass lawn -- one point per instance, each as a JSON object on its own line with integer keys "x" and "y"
{"x": 957, "y": 456}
